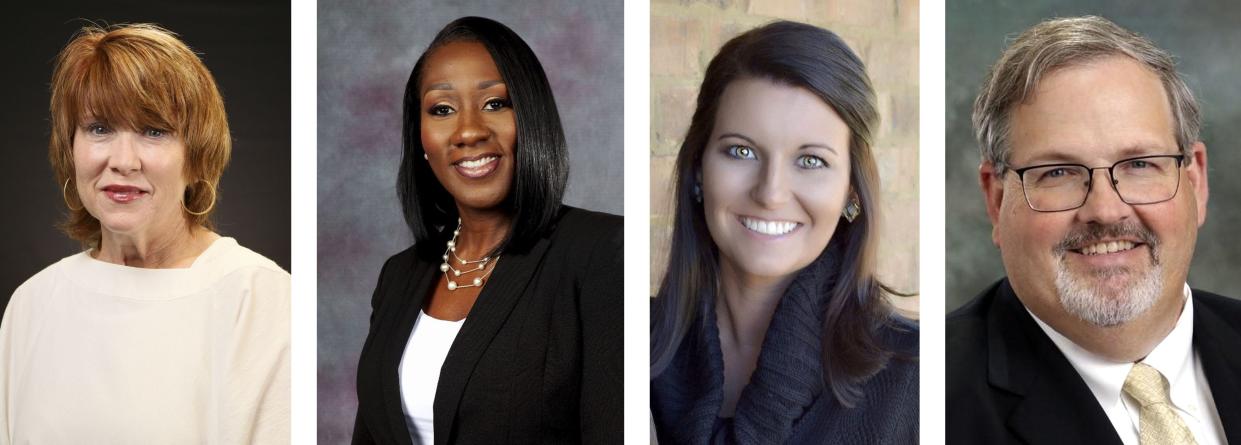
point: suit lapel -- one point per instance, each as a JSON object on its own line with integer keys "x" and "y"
{"x": 508, "y": 283}
{"x": 405, "y": 299}
{"x": 1218, "y": 347}
{"x": 1054, "y": 402}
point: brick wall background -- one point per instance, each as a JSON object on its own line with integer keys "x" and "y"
{"x": 685, "y": 35}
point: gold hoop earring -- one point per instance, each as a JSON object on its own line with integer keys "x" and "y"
{"x": 209, "y": 207}
{"x": 64, "y": 194}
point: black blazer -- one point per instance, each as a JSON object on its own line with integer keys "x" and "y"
{"x": 1008, "y": 383}
{"x": 539, "y": 358}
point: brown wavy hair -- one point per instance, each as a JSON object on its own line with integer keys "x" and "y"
{"x": 138, "y": 76}
{"x": 818, "y": 60}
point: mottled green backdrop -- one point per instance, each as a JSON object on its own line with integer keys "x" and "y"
{"x": 1206, "y": 38}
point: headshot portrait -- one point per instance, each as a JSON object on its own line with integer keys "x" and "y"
{"x": 773, "y": 319}
{"x": 1092, "y": 149}
{"x": 469, "y": 231}
{"x": 156, "y": 323}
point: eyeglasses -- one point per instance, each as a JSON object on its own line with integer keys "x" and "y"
{"x": 1140, "y": 180}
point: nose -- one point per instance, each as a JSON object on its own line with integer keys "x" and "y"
{"x": 1103, "y": 204}
{"x": 771, "y": 188}
{"x": 123, "y": 156}
{"x": 471, "y": 129}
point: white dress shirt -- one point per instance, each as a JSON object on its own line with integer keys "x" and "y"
{"x": 1174, "y": 357}
{"x": 419, "y": 372}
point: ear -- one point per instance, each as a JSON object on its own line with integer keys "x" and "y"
{"x": 1197, "y": 173}
{"x": 993, "y": 192}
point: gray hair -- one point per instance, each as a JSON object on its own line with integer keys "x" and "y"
{"x": 1058, "y": 43}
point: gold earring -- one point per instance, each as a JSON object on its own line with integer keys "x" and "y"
{"x": 64, "y": 193}
{"x": 209, "y": 207}
{"x": 853, "y": 209}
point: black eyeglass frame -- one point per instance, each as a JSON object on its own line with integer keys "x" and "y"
{"x": 1021, "y": 172}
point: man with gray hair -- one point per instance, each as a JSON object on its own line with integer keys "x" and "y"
{"x": 1096, "y": 184}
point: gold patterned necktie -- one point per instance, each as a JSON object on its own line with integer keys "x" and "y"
{"x": 1158, "y": 422}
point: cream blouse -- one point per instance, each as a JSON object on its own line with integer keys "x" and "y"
{"x": 95, "y": 352}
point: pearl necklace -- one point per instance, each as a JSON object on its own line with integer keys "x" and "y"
{"x": 447, "y": 266}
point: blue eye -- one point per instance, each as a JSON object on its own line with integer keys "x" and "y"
{"x": 154, "y": 133}
{"x": 440, "y": 110}
{"x": 740, "y": 152}
{"x": 810, "y": 162}
{"x": 496, "y": 104}
{"x": 98, "y": 129}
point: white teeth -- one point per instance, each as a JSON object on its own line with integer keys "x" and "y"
{"x": 769, "y": 227}
{"x": 477, "y": 162}
{"x": 1107, "y": 247}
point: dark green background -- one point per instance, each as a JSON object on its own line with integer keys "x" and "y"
{"x": 1205, "y": 36}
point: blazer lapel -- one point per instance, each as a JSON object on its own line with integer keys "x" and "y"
{"x": 405, "y": 300}
{"x": 508, "y": 283}
{"x": 1217, "y": 344}
{"x": 1055, "y": 402}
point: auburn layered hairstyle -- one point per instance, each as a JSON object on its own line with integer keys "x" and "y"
{"x": 137, "y": 77}
{"x": 541, "y": 167}
{"x": 818, "y": 60}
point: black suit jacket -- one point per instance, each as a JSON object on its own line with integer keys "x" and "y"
{"x": 539, "y": 358}
{"x": 1008, "y": 383}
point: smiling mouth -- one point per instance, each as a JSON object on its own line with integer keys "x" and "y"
{"x": 123, "y": 194}
{"x": 765, "y": 227}
{"x": 1106, "y": 247}
{"x": 477, "y": 167}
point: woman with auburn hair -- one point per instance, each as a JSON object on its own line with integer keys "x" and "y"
{"x": 160, "y": 330}
{"x": 503, "y": 322}
{"x": 770, "y": 325}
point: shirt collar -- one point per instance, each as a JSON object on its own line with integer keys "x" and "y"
{"x": 1172, "y": 356}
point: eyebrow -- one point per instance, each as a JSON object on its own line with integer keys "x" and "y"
{"x": 445, "y": 86}
{"x": 801, "y": 147}
{"x": 1130, "y": 151}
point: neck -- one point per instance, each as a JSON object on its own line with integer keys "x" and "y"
{"x": 481, "y": 232}
{"x": 1125, "y": 343}
{"x": 175, "y": 248}
{"x": 746, "y": 304}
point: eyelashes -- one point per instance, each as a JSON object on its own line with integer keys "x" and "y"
{"x": 102, "y": 129}
{"x": 493, "y": 104}
{"x": 744, "y": 152}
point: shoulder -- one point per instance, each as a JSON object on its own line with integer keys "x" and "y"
{"x": 44, "y": 282}
{"x": 900, "y": 335}
{"x": 588, "y": 239}
{"x": 1225, "y": 307}
{"x": 582, "y": 225}
{"x": 256, "y": 276}
{"x": 967, "y": 325}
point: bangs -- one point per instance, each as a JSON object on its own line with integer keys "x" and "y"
{"x": 124, "y": 94}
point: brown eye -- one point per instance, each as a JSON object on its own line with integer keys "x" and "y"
{"x": 496, "y": 104}
{"x": 440, "y": 110}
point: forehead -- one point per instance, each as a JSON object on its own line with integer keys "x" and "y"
{"x": 1096, "y": 111}
{"x": 458, "y": 64}
{"x": 778, "y": 115}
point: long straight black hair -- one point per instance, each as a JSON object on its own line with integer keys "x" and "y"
{"x": 803, "y": 56}
{"x": 541, "y": 167}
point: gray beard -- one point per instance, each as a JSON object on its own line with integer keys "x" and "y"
{"x": 1087, "y": 298}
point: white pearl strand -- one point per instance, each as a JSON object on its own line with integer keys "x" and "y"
{"x": 452, "y": 250}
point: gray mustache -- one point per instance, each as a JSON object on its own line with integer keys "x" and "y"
{"x": 1093, "y": 233}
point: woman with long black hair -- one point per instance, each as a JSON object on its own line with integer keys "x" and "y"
{"x": 502, "y": 324}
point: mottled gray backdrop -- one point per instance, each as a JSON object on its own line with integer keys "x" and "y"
{"x": 1204, "y": 35}
{"x": 366, "y": 51}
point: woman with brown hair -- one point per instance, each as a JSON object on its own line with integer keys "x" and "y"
{"x": 770, "y": 325}
{"x": 161, "y": 330}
